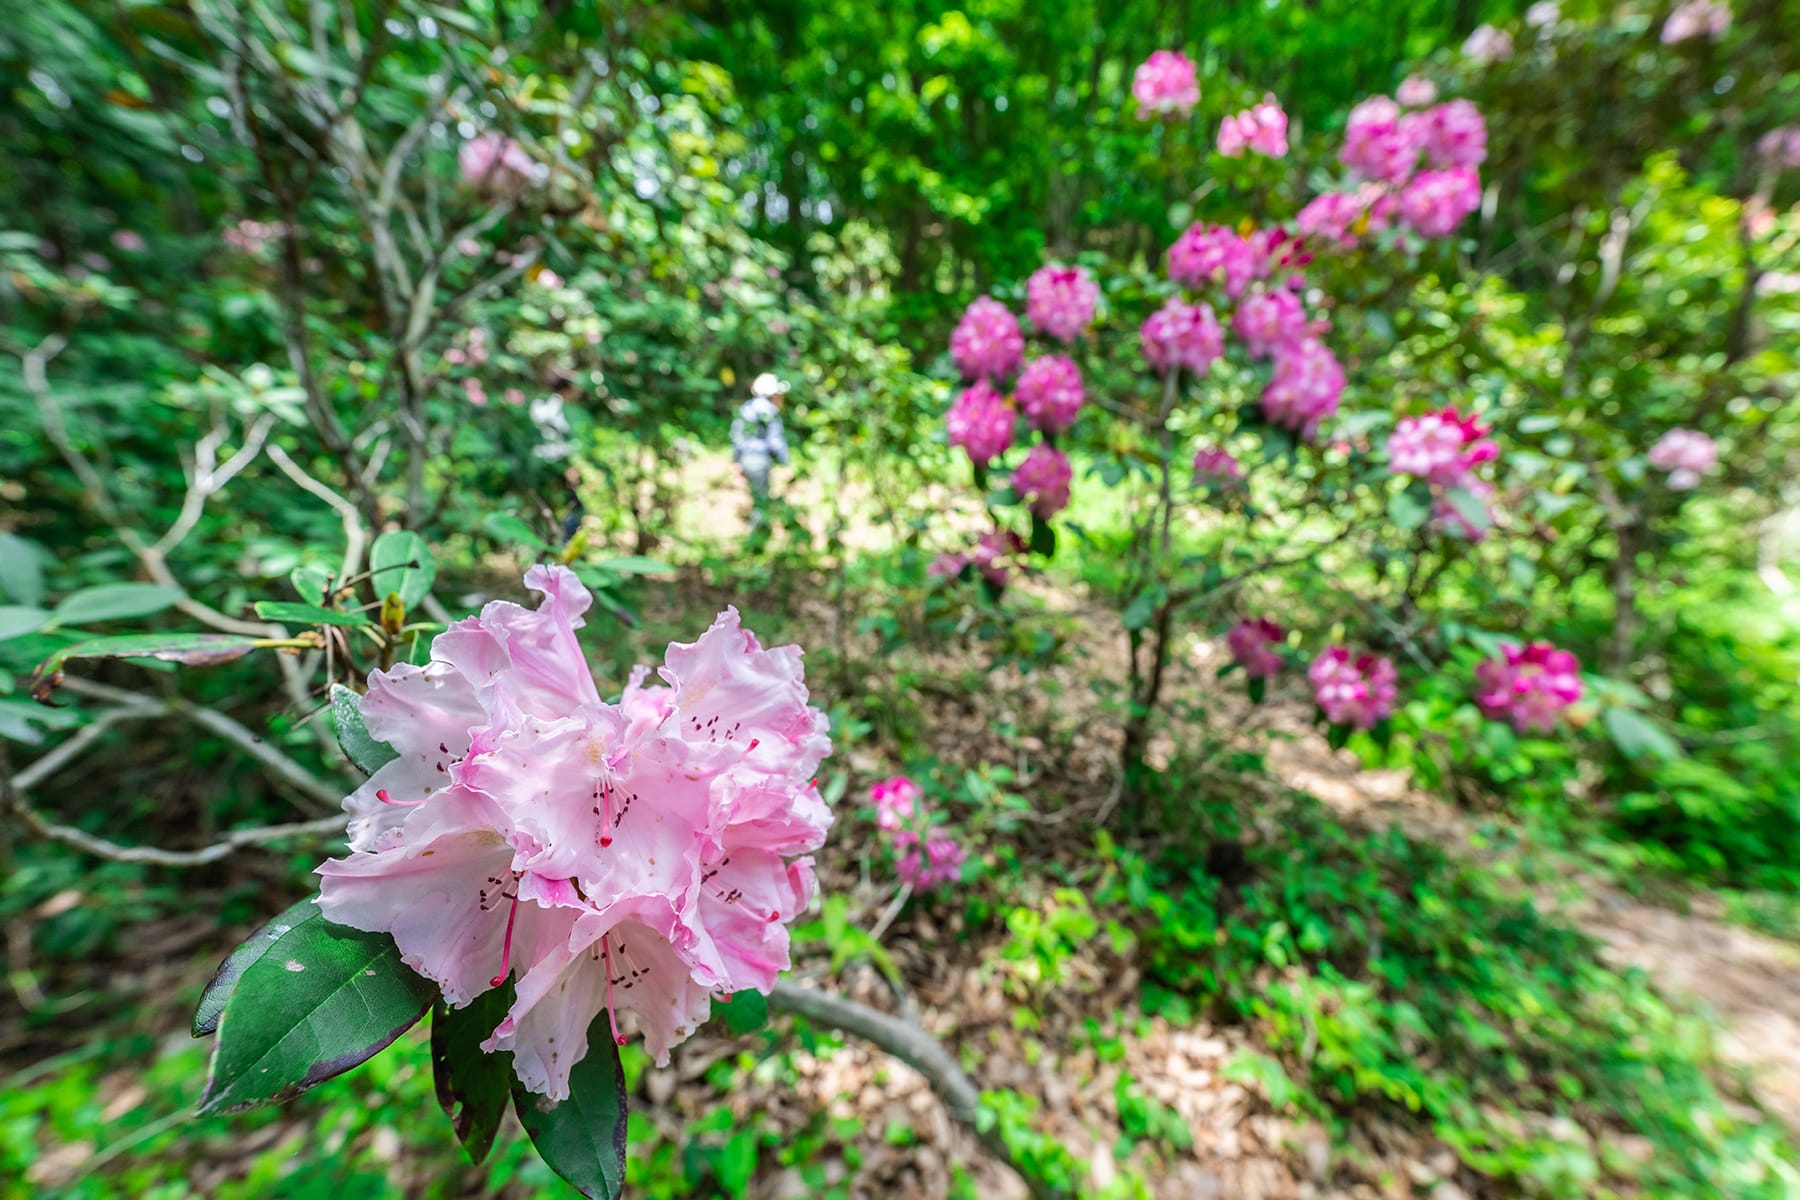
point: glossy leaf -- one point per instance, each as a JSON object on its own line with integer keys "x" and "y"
{"x": 187, "y": 649}
{"x": 743, "y": 1012}
{"x": 583, "y": 1138}
{"x": 115, "y": 602}
{"x": 1637, "y": 735}
{"x": 21, "y": 570}
{"x": 1043, "y": 537}
{"x": 318, "y": 1001}
{"x": 402, "y": 565}
{"x": 505, "y": 527}
{"x": 473, "y": 1086}
{"x": 225, "y": 979}
{"x": 292, "y": 613}
{"x": 16, "y": 620}
{"x": 354, "y": 739}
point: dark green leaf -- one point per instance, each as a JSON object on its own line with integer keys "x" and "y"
{"x": 583, "y": 1138}
{"x": 354, "y": 739}
{"x": 1637, "y": 735}
{"x": 1259, "y": 687}
{"x": 1469, "y": 507}
{"x": 18, "y": 619}
{"x": 225, "y": 979}
{"x": 21, "y": 570}
{"x": 743, "y": 1012}
{"x": 505, "y": 527}
{"x": 320, "y": 1000}
{"x": 1043, "y": 537}
{"x": 402, "y": 565}
{"x": 311, "y": 584}
{"x": 307, "y": 614}
{"x": 1411, "y": 508}
{"x": 1142, "y": 609}
{"x": 115, "y": 602}
{"x": 1337, "y": 736}
{"x": 188, "y": 649}
{"x": 472, "y": 1085}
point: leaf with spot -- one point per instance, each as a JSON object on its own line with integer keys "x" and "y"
{"x": 402, "y": 566}
{"x": 320, "y": 1000}
{"x": 473, "y": 1086}
{"x": 354, "y": 738}
{"x": 225, "y": 979}
{"x": 187, "y": 649}
{"x": 583, "y": 1138}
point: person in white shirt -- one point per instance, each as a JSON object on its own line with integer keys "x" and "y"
{"x": 759, "y": 441}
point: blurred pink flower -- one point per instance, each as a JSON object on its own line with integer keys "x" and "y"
{"x": 1528, "y": 686}
{"x": 1354, "y": 690}
{"x": 1165, "y": 84}
{"x": 981, "y": 423}
{"x": 128, "y": 240}
{"x": 1416, "y": 91}
{"x": 1780, "y": 147}
{"x": 1455, "y": 135}
{"x": 1211, "y": 255}
{"x": 1697, "y": 18}
{"x": 986, "y": 342}
{"x": 896, "y": 802}
{"x": 496, "y": 164}
{"x": 1216, "y": 467}
{"x": 1305, "y": 388}
{"x": 1060, "y": 300}
{"x": 1184, "y": 335}
{"x": 1443, "y": 448}
{"x": 1381, "y": 142}
{"x": 1686, "y": 454}
{"x": 1488, "y": 45}
{"x": 1049, "y": 392}
{"x": 1262, "y": 129}
{"x": 1269, "y": 320}
{"x": 1255, "y": 644}
{"x": 1434, "y": 203}
{"x": 1043, "y": 480}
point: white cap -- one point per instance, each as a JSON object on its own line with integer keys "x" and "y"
{"x": 767, "y": 384}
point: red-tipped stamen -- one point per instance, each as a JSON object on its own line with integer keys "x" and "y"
{"x": 606, "y": 819}
{"x": 612, "y": 1018}
{"x": 381, "y": 794}
{"x": 506, "y": 947}
{"x": 754, "y": 742}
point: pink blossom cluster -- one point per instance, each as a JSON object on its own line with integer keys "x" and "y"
{"x": 1434, "y": 203}
{"x": 1697, "y": 18}
{"x": 1380, "y": 142}
{"x": 473, "y": 350}
{"x": 1181, "y": 335}
{"x": 1165, "y": 84}
{"x": 1060, "y": 300}
{"x": 1269, "y": 319}
{"x": 925, "y": 858}
{"x": 128, "y": 240}
{"x": 1357, "y": 690}
{"x": 1543, "y": 14}
{"x": 1780, "y": 148}
{"x": 1443, "y": 448}
{"x": 496, "y": 164}
{"x": 644, "y": 855}
{"x": 1455, "y": 135}
{"x": 981, "y": 422}
{"x": 1488, "y": 45}
{"x": 1528, "y": 686}
{"x": 1255, "y": 646}
{"x": 986, "y": 342}
{"x": 1340, "y": 218}
{"x": 1305, "y": 387}
{"x": 1416, "y": 91}
{"x": 1050, "y": 392}
{"x": 1261, "y": 129}
{"x": 250, "y": 237}
{"x": 1211, "y": 256}
{"x": 992, "y": 557}
{"x": 1217, "y": 467}
{"x": 1274, "y": 249}
{"x": 1043, "y": 479}
{"x": 1686, "y": 454}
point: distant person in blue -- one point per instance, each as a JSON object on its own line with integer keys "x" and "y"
{"x": 758, "y": 441}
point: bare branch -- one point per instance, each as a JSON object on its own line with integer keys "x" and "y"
{"x": 354, "y": 537}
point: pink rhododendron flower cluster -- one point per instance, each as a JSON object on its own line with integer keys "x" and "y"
{"x": 992, "y": 557}
{"x": 1261, "y": 129}
{"x": 645, "y": 855}
{"x": 1442, "y": 448}
{"x": 1060, "y": 300}
{"x": 1358, "y": 690}
{"x": 1043, "y": 480}
{"x": 924, "y": 858}
{"x": 1697, "y": 18}
{"x": 472, "y": 350}
{"x": 1273, "y": 250}
{"x": 1528, "y": 686}
{"x": 1416, "y": 91}
{"x": 1165, "y": 84}
{"x": 1339, "y": 218}
{"x": 1380, "y": 142}
{"x": 1780, "y": 148}
{"x": 1215, "y": 466}
{"x": 1455, "y": 135}
{"x": 896, "y": 802}
{"x": 1686, "y": 454}
{"x": 1543, "y": 14}
{"x": 1434, "y": 203}
{"x": 981, "y": 422}
{"x": 1049, "y": 392}
{"x": 1212, "y": 255}
{"x": 250, "y": 237}
{"x": 1255, "y": 646}
{"x": 1305, "y": 388}
{"x": 475, "y": 393}
{"x": 1268, "y": 320}
{"x": 495, "y": 163}
{"x": 986, "y": 343}
{"x": 128, "y": 240}
{"x": 1488, "y": 45}
{"x": 1183, "y": 335}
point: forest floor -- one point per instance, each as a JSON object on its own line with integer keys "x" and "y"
{"x": 1087, "y": 1051}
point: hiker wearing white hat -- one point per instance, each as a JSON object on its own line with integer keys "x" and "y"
{"x": 759, "y": 441}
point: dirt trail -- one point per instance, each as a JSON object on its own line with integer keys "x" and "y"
{"x": 1749, "y": 982}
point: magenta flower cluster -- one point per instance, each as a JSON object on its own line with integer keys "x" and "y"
{"x": 1357, "y": 690}
{"x": 1384, "y": 143}
{"x": 1686, "y": 454}
{"x": 924, "y": 858}
{"x": 1050, "y": 392}
{"x": 1697, "y": 18}
{"x": 981, "y": 422}
{"x": 986, "y": 343}
{"x": 1261, "y": 129}
{"x": 1182, "y": 335}
{"x": 1043, "y": 479}
{"x": 1165, "y": 85}
{"x": 1443, "y": 448}
{"x": 1528, "y": 686}
{"x": 496, "y": 165}
{"x": 1255, "y": 645}
{"x": 1216, "y": 467}
{"x": 1061, "y": 300}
